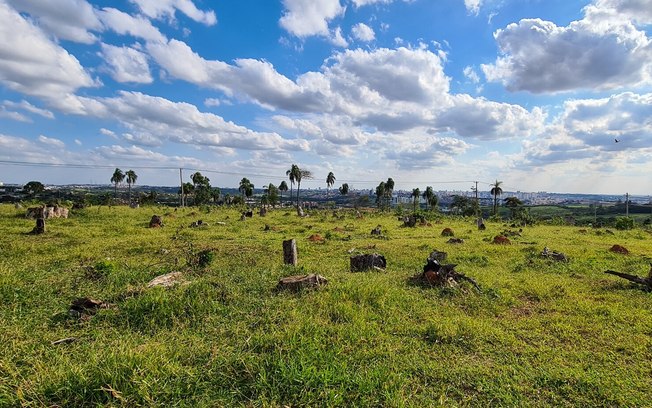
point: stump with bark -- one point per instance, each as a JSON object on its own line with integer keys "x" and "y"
{"x": 436, "y": 274}
{"x": 40, "y": 226}
{"x": 366, "y": 262}
{"x": 290, "y": 252}
{"x": 646, "y": 282}
{"x": 300, "y": 282}
{"x": 155, "y": 222}
{"x": 554, "y": 255}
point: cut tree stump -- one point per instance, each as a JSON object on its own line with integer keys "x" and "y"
{"x": 438, "y": 256}
{"x": 300, "y": 282}
{"x": 377, "y": 231}
{"x": 554, "y": 255}
{"x": 155, "y": 222}
{"x": 436, "y": 274}
{"x": 166, "y": 281}
{"x": 290, "y": 252}
{"x": 646, "y": 282}
{"x": 40, "y": 226}
{"x": 84, "y": 308}
{"x": 365, "y": 262}
{"x": 263, "y": 211}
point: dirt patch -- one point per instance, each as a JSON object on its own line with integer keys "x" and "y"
{"x": 619, "y": 249}
{"x": 316, "y": 238}
{"x": 501, "y": 240}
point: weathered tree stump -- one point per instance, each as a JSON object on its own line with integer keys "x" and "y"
{"x": 166, "y": 281}
{"x": 84, "y": 308}
{"x": 436, "y": 274}
{"x": 365, "y": 262}
{"x": 377, "y": 231}
{"x": 501, "y": 240}
{"x": 300, "y": 211}
{"x": 438, "y": 256}
{"x": 646, "y": 282}
{"x": 263, "y": 211}
{"x": 243, "y": 217}
{"x": 249, "y": 214}
{"x": 554, "y": 255}
{"x": 156, "y": 222}
{"x": 455, "y": 241}
{"x": 40, "y": 226}
{"x": 290, "y": 252}
{"x": 447, "y": 232}
{"x": 300, "y": 282}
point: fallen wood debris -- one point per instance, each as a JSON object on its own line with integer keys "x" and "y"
{"x": 646, "y": 282}
{"x": 554, "y": 255}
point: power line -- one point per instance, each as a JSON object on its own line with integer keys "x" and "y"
{"x": 211, "y": 171}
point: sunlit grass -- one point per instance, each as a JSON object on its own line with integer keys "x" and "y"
{"x": 540, "y": 333}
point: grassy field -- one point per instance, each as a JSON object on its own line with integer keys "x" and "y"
{"x": 541, "y": 333}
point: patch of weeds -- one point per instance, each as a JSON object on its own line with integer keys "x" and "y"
{"x": 101, "y": 269}
{"x": 459, "y": 334}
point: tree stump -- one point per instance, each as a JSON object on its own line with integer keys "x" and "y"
{"x": 290, "y": 252}
{"x": 438, "y": 256}
{"x": 40, "y": 226}
{"x": 365, "y": 262}
{"x": 377, "y": 231}
{"x": 300, "y": 211}
{"x": 299, "y": 282}
{"x": 156, "y": 222}
{"x": 436, "y": 274}
{"x": 447, "y": 232}
{"x": 263, "y": 211}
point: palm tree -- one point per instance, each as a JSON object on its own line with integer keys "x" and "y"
{"x": 428, "y": 195}
{"x": 416, "y": 194}
{"x": 344, "y": 189}
{"x": 301, "y": 174}
{"x": 246, "y": 188}
{"x": 117, "y": 178}
{"x": 381, "y": 191}
{"x": 496, "y": 191}
{"x": 330, "y": 180}
{"x": 292, "y": 175}
{"x": 514, "y": 204}
{"x": 389, "y": 189}
{"x": 131, "y": 179}
{"x": 283, "y": 187}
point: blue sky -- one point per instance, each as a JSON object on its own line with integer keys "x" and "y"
{"x": 530, "y": 92}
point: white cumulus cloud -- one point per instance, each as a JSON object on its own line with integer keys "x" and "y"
{"x": 363, "y": 32}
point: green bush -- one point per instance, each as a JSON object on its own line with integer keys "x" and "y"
{"x": 624, "y": 223}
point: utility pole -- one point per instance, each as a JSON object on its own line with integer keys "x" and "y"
{"x": 626, "y": 204}
{"x": 183, "y": 204}
{"x": 477, "y": 202}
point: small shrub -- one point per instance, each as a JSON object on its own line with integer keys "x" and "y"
{"x": 624, "y": 223}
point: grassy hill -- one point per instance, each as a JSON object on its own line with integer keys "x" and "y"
{"x": 540, "y": 333}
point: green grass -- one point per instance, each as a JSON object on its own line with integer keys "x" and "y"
{"x": 540, "y": 334}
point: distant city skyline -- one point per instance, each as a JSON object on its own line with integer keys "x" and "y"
{"x": 549, "y": 95}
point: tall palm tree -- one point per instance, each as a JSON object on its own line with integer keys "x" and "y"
{"x": 131, "y": 179}
{"x": 428, "y": 196}
{"x": 496, "y": 191}
{"x": 301, "y": 175}
{"x": 117, "y": 178}
{"x": 246, "y": 188}
{"x": 330, "y": 180}
{"x": 292, "y": 176}
{"x": 416, "y": 194}
{"x": 283, "y": 187}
